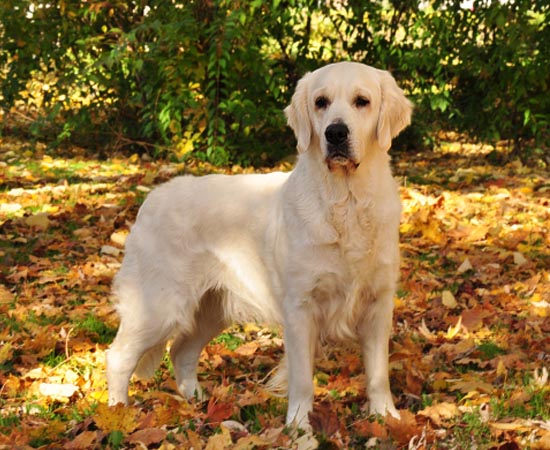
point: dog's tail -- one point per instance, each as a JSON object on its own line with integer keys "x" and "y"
{"x": 149, "y": 362}
{"x": 276, "y": 381}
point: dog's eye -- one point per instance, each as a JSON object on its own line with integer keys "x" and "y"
{"x": 361, "y": 102}
{"x": 321, "y": 102}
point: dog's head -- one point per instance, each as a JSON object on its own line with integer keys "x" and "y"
{"x": 345, "y": 110}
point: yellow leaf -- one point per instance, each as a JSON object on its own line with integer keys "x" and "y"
{"x": 250, "y": 443}
{"x": 448, "y": 299}
{"x": 432, "y": 231}
{"x": 453, "y": 331}
{"x": 6, "y": 352}
{"x": 100, "y": 396}
{"x": 501, "y": 368}
{"x": 220, "y": 441}
{"x": 119, "y": 237}
{"x": 116, "y": 418}
{"x": 39, "y": 221}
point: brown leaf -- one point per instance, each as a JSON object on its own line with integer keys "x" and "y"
{"x": 323, "y": 419}
{"x": 217, "y": 412}
{"x": 440, "y": 412}
{"x": 369, "y": 428}
{"x": 402, "y": 430}
{"x": 247, "y": 349}
{"x": 147, "y": 436}
{"x": 83, "y": 441}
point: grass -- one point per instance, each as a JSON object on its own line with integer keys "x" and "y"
{"x": 230, "y": 340}
{"x": 96, "y": 329}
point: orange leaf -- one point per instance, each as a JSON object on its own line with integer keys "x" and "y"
{"x": 217, "y": 412}
{"x": 84, "y": 440}
{"x": 147, "y": 436}
{"x": 402, "y": 430}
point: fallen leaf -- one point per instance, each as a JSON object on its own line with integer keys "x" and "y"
{"x": 218, "y": 411}
{"x": 465, "y": 266}
{"x": 39, "y": 220}
{"x": 440, "y": 412}
{"x": 324, "y": 420}
{"x": 250, "y": 443}
{"x": 448, "y": 299}
{"x": 519, "y": 259}
{"x": 119, "y": 237}
{"x": 220, "y": 441}
{"x": 404, "y": 429}
{"x": 58, "y": 391}
{"x": 147, "y": 436}
{"x": 247, "y": 349}
{"x": 83, "y": 441}
{"x": 116, "y": 418}
{"x": 453, "y": 331}
{"x": 110, "y": 250}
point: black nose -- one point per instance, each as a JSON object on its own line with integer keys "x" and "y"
{"x": 337, "y": 133}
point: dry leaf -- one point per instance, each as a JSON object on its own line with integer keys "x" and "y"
{"x": 39, "y": 220}
{"x": 218, "y": 411}
{"x": 116, "y": 418}
{"x": 83, "y": 441}
{"x": 440, "y": 412}
{"x": 448, "y": 299}
{"x": 147, "y": 436}
{"x": 465, "y": 266}
{"x": 220, "y": 441}
{"x": 58, "y": 391}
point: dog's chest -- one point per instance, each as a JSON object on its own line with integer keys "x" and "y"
{"x": 356, "y": 227}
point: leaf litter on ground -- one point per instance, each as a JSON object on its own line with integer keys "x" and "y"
{"x": 470, "y": 350}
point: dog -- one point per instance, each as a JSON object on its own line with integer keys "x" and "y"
{"x": 316, "y": 249}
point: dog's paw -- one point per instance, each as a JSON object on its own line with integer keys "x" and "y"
{"x": 383, "y": 407}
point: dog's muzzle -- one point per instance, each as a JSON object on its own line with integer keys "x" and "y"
{"x": 338, "y": 148}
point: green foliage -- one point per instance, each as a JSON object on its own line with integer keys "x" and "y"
{"x": 212, "y": 77}
{"x": 97, "y": 329}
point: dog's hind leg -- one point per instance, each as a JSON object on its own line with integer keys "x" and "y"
{"x": 187, "y": 347}
{"x": 133, "y": 342}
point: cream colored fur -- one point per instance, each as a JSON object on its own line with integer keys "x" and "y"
{"x": 315, "y": 249}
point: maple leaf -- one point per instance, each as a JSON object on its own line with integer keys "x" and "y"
{"x": 218, "y": 411}
{"x": 323, "y": 419}
{"x": 116, "y": 418}
{"x": 440, "y": 412}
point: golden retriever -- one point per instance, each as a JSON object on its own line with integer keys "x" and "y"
{"x": 315, "y": 249}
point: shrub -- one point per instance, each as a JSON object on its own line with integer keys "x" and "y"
{"x": 212, "y": 77}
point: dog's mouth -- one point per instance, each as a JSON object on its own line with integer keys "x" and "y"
{"x": 341, "y": 160}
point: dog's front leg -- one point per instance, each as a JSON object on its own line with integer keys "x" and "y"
{"x": 375, "y": 335}
{"x": 300, "y": 335}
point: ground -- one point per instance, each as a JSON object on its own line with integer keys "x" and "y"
{"x": 470, "y": 349}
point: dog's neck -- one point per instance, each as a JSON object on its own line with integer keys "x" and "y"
{"x": 341, "y": 185}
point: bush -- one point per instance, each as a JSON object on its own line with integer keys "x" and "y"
{"x": 212, "y": 77}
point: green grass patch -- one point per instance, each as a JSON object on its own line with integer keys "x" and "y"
{"x": 97, "y": 330}
{"x": 229, "y": 340}
{"x": 490, "y": 350}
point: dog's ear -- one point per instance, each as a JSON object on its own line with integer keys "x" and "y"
{"x": 395, "y": 111}
{"x": 297, "y": 114}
